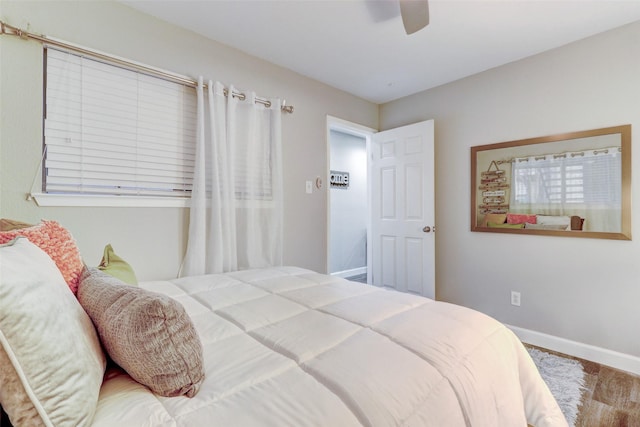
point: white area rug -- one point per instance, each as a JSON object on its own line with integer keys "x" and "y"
{"x": 565, "y": 378}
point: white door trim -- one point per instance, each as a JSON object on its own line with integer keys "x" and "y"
{"x": 345, "y": 126}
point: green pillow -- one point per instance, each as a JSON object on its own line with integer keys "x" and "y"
{"x": 496, "y": 225}
{"x": 115, "y": 266}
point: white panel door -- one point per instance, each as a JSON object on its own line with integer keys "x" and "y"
{"x": 402, "y": 208}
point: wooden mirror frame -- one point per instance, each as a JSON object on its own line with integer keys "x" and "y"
{"x": 625, "y": 140}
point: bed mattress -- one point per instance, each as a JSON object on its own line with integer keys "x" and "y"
{"x": 291, "y": 347}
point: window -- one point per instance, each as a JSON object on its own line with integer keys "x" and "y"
{"x": 588, "y": 179}
{"x": 113, "y": 131}
{"x": 253, "y": 165}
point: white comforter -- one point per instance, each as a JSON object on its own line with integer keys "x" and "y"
{"x": 290, "y": 347}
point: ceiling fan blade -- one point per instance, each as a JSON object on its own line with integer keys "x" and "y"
{"x": 415, "y": 14}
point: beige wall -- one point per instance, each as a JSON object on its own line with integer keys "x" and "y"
{"x": 581, "y": 289}
{"x": 153, "y": 239}
{"x": 584, "y": 290}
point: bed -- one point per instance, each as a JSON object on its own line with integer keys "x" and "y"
{"x": 290, "y": 347}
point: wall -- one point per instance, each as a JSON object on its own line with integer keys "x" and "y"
{"x": 348, "y": 207}
{"x": 153, "y": 239}
{"x": 585, "y": 290}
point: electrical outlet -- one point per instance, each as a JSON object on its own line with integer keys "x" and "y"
{"x": 515, "y": 298}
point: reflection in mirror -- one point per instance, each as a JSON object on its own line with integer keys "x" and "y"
{"x": 575, "y": 184}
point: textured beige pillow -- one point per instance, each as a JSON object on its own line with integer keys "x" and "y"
{"x": 51, "y": 360}
{"x": 149, "y": 335}
{"x": 11, "y": 224}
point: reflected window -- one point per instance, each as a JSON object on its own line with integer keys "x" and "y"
{"x": 569, "y": 184}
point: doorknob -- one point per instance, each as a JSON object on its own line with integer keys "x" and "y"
{"x": 426, "y": 229}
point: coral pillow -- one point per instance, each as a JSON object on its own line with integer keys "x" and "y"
{"x": 58, "y": 243}
{"x": 521, "y": 218}
{"x": 150, "y": 335}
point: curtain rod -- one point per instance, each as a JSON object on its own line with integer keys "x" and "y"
{"x": 562, "y": 155}
{"x": 25, "y": 35}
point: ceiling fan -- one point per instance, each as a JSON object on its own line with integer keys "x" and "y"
{"x": 415, "y": 14}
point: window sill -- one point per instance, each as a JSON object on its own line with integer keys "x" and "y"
{"x": 43, "y": 199}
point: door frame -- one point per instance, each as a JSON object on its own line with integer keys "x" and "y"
{"x": 345, "y": 126}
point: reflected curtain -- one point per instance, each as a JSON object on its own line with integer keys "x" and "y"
{"x": 585, "y": 183}
{"x": 236, "y": 201}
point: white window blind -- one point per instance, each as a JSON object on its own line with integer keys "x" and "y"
{"x": 589, "y": 178}
{"x": 113, "y": 131}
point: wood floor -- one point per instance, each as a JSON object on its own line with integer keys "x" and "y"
{"x": 362, "y": 278}
{"x": 611, "y": 397}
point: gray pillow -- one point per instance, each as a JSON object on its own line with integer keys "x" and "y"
{"x": 148, "y": 334}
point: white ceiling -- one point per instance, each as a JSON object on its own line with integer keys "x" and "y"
{"x": 360, "y": 46}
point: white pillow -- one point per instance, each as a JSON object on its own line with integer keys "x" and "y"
{"x": 56, "y": 362}
{"x": 545, "y": 226}
{"x": 554, "y": 220}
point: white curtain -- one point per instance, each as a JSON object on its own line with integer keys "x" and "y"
{"x": 584, "y": 183}
{"x": 236, "y": 201}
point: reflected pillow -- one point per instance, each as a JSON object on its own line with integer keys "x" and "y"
{"x": 51, "y": 362}
{"x": 495, "y": 218}
{"x": 545, "y": 227}
{"x": 149, "y": 335}
{"x": 494, "y": 225}
{"x": 513, "y": 218}
{"x": 555, "y": 220}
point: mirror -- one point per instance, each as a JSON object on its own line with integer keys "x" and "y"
{"x": 575, "y": 184}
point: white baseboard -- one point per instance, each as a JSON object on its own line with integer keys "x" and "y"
{"x": 350, "y": 273}
{"x": 614, "y": 359}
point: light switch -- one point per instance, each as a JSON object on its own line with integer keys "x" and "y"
{"x": 309, "y": 187}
